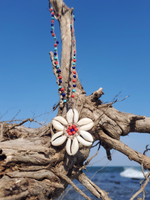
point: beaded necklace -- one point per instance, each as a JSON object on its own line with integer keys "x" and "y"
{"x": 73, "y": 68}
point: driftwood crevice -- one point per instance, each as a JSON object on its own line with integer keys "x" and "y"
{"x": 31, "y": 168}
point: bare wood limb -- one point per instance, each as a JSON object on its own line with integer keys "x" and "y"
{"x": 97, "y": 94}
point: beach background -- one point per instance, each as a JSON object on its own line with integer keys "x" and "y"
{"x": 120, "y": 182}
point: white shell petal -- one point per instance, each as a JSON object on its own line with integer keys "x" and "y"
{"x": 75, "y": 146}
{"x": 69, "y": 116}
{"x": 84, "y": 121}
{"x": 82, "y": 141}
{"x": 72, "y": 115}
{"x": 59, "y": 141}
{"x": 76, "y": 115}
{"x": 56, "y": 135}
{"x": 87, "y": 126}
{"x": 61, "y": 120}
{"x": 68, "y": 146}
{"x": 86, "y": 135}
{"x": 58, "y": 126}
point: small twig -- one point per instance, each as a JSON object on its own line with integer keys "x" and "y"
{"x": 97, "y": 94}
{"x": 146, "y": 149}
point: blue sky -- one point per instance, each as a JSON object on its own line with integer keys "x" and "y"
{"x": 113, "y": 52}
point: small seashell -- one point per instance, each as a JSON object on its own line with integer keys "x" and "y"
{"x": 76, "y": 115}
{"x": 61, "y": 120}
{"x": 59, "y": 141}
{"x": 82, "y": 141}
{"x": 86, "y": 135}
{"x": 84, "y": 121}
{"x": 69, "y": 116}
{"x": 75, "y": 146}
{"x": 87, "y": 126}
{"x": 56, "y": 135}
{"x": 72, "y": 116}
{"x": 68, "y": 147}
{"x": 58, "y": 126}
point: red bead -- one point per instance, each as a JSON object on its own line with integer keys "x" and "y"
{"x": 55, "y": 45}
{"x": 74, "y": 80}
{"x": 52, "y": 13}
{"x": 70, "y": 127}
{"x": 53, "y": 34}
{"x": 76, "y": 129}
{"x": 73, "y": 132}
{"x": 68, "y": 130}
{"x": 70, "y": 133}
{"x": 60, "y": 77}
{"x": 74, "y": 72}
{"x": 51, "y": 9}
{"x": 74, "y": 60}
{"x": 73, "y": 126}
{"x": 62, "y": 89}
{"x": 74, "y": 51}
{"x": 72, "y": 96}
{"x": 52, "y": 21}
{"x": 56, "y": 63}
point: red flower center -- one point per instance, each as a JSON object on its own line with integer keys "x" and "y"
{"x": 72, "y": 130}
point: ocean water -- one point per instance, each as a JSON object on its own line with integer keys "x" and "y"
{"x": 120, "y": 182}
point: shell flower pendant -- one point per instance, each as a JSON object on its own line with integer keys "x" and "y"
{"x": 73, "y": 131}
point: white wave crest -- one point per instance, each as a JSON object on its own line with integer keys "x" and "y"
{"x": 132, "y": 173}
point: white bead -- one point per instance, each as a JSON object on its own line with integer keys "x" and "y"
{"x": 86, "y": 135}
{"x": 58, "y": 126}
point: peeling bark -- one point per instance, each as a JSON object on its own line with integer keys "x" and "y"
{"x": 31, "y": 168}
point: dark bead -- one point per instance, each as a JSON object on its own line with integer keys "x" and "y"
{"x": 58, "y": 70}
{"x": 52, "y": 15}
{"x": 73, "y": 67}
{"x": 63, "y": 94}
{"x": 52, "y": 24}
{"x": 60, "y": 81}
{"x": 55, "y": 53}
{"x": 51, "y": 31}
{"x": 74, "y": 85}
{"x": 74, "y": 76}
{"x": 74, "y": 54}
{"x": 72, "y": 130}
{"x": 57, "y": 42}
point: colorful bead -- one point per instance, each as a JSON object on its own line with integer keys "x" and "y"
{"x": 52, "y": 27}
{"x": 70, "y": 133}
{"x": 73, "y": 132}
{"x": 73, "y": 90}
{"x": 60, "y": 77}
{"x": 73, "y": 63}
{"x": 52, "y": 21}
{"x": 53, "y": 13}
{"x": 53, "y": 17}
{"x": 55, "y": 37}
{"x": 74, "y": 72}
{"x": 52, "y": 24}
{"x": 52, "y": 31}
{"x": 74, "y": 76}
{"x": 51, "y": 9}
{"x": 72, "y": 96}
{"x": 73, "y": 67}
{"x": 74, "y": 57}
{"x": 74, "y": 60}
{"x": 74, "y": 51}
{"x": 53, "y": 34}
{"x": 64, "y": 100}
{"x": 55, "y": 49}
{"x": 74, "y": 54}
{"x": 58, "y": 71}
{"x": 60, "y": 81}
{"x": 56, "y": 63}
{"x": 63, "y": 94}
{"x": 62, "y": 89}
{"x": 55, "y": 53}
{"x": 57, "y": 67}
{"x": 55, "y": 45}
{"x": 74, "y": 85}
{"x": 74, "y": 80}
{"x": 57, "y": 42}
{"x": 55, "y": 58}
{"x": 59, "y": 87}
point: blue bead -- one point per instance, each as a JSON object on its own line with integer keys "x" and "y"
{"x": 57, "y": 42}
{"x": 52, "y": 24}
{"x": 54, "y": 37}
{"x": 74, "y": 18}
{"x": 72, "y": 130}
{"x": 73, "y": 67}
{"x": 74, "y": 76}
{"x": 53, "y": 17}
{"x": 74, "y": 85}
{"x": 63, "y": 94}
{"x": 55, "y": 53}
{"x": 74, "y": 57}
{"x": 57, "y": 67}
{"x": 73, "y": 63}
{"x": 55, "y": 49}
{"x": 73, "y": 90}
{"x": 59, "y": 87}
{"x": 74, "y": 54}
{"x": 51, "y": 31}
{"x": 58, "y": 70}
{"x": 64, "y": 100}
{"x": 55, "y": 58}
{"x": 60, "y": 81}
{"x": 52, "y": 27}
